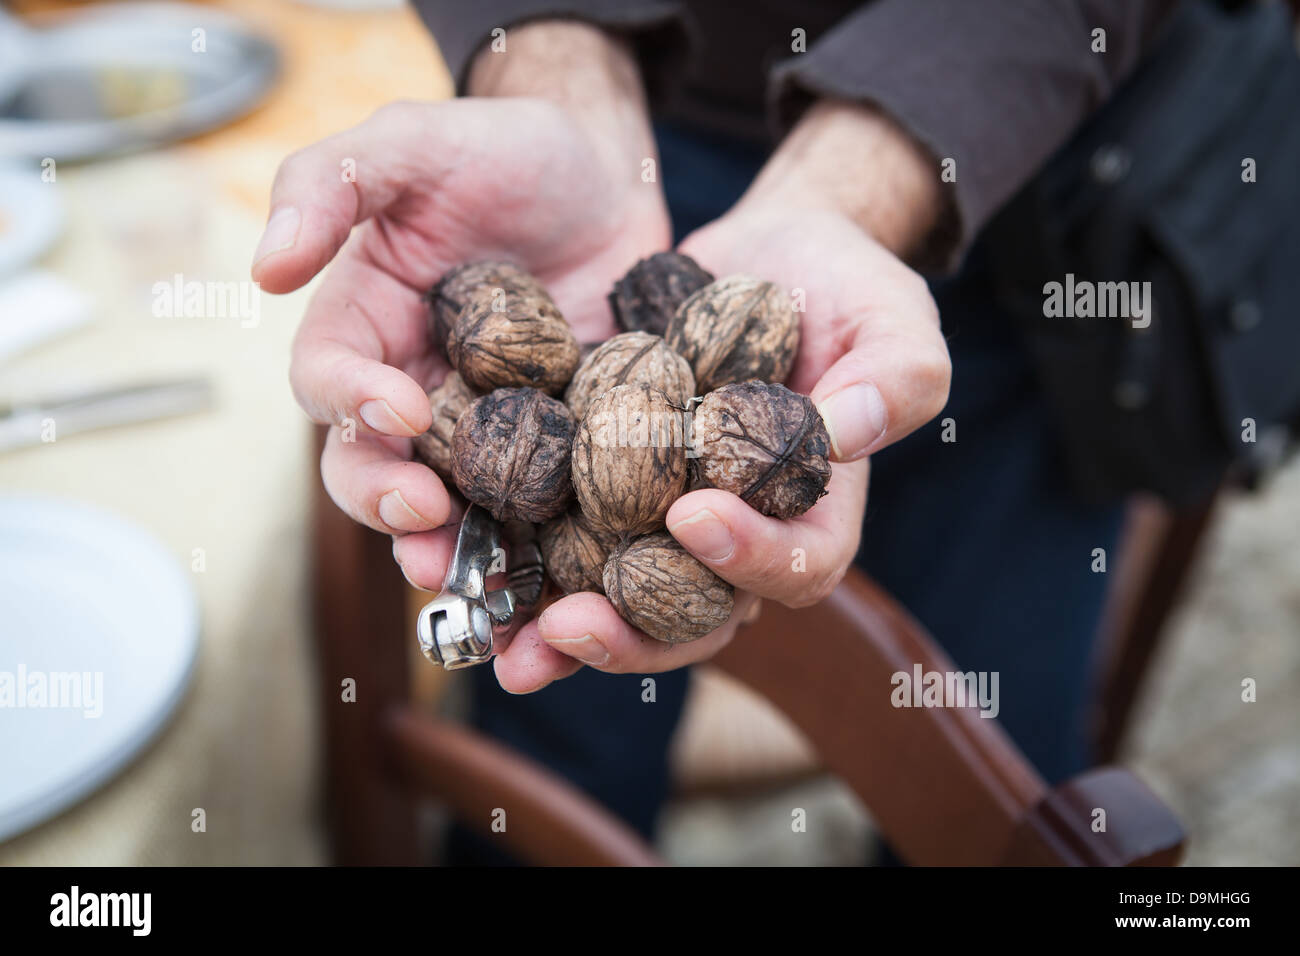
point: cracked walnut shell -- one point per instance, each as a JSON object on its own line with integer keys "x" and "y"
{"x": 657, "y": 586}
{"x": 630, "y": 359}
{"x": 574, "y": 552}
{"x": 510, "y": 453}
{"x": 473, "y": 280}
{"x": 513, "y": 337}
{"x": 736, "y": 329}
{"x": 629, "y": 459}
{"x": 447, "y": 402}
{"x": 765, "y": 444}
{"x": 645, "y": 299}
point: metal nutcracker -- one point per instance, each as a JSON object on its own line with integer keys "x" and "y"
{"x": 457, "y": 628}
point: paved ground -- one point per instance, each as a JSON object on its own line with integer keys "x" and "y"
{"x": 1230, "y": 769}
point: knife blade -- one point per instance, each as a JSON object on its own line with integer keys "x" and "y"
{"x": 33, "y": 423}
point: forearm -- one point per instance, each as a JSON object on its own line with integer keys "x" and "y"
{"x": 854, "y": 160}
{"x": 995, "y": 87}
{"x": 590, "y": 73}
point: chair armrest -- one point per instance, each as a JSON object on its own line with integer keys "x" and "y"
{"x": 548, "y": 821}
{"x": 1064, "y": 827}
{"x": 945, "y": 785}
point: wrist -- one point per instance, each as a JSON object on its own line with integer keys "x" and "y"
{"x": 591, "y": 74}
{"x": 854, "y": 160}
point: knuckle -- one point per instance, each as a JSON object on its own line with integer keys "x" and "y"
{"x": 933, "y": 374}
{"x": 400, "y": 118}
{"x": 298, "y": 382}
{"x": 918, "y": 290}
{"x": 293, "y": 168}
{"x": 911, "y": 285}
{"x": 397, "y": 112}
{"x": 772, "y": 565}
{"x": 821, "y": 584}
{"x": 303, "y": 383}
{"x": 332, "y": 479}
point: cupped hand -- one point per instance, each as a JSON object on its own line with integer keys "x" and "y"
{"x": 873, "y": 359}
{"x": 396, "y": 202}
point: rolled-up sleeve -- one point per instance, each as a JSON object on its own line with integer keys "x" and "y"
{"x": 658, "y": 30}
{"x": 996, "y": 86}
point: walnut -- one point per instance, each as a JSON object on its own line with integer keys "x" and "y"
{"x": 629, "y": 359}
{"x": 629, "y": 459}
{"x": 513, "y": 337}
{"x": 474, "y": 280}
{"x": 764, "y": 443}
{"x": 447, "y": 402}
{"x": 656, "y": 585}
{"x": 510, "y": 453}
{"x": 574, "y": 552}
{"x": 646, "y": 298}
{"x": 736, "y": 329}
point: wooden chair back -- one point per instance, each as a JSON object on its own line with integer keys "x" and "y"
{"x": 946, "y": 786}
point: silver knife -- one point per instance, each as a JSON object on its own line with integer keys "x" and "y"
{"x": 54, "y": 419}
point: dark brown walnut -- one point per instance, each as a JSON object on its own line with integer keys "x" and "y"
{"x": 629, "y": 459}
{"x": 645, "y": 299}
{"x": 574, "y": 552}
{"x": 659, "y": 588}
{"x": 633, "y": 358}
{"x": 474, "y": 280}
{"x": 736, "y": 329}
{"x": 447, "y": 402}
{"x": 510, "y": 453}
{"x": 512, "y": 338}
{"x": 765, "y": 444}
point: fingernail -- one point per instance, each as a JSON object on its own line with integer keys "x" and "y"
{"x": 396, "y": 513}
{"x": 281, "y": 233}
{"x": 855, "y": 419}
{"x": 586, "y": 649}
{"x": 705, "y": 536}
{"x": 379, "y": 415}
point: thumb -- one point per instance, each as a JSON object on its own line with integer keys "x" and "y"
{"x": 893, "y": 380}
{"x": 323, "y": 190}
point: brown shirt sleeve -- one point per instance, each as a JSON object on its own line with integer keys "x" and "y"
{"x": 658, "y": 29}
{"x": 996, "y": 85}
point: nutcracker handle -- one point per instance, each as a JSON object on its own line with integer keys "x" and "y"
{"x": 459, "y": 627}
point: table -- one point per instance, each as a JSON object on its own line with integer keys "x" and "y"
{"x": 233, "y": 482}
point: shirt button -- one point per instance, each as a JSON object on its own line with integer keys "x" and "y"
{"x": 1130, "y": 395}
{"x": 1110, "y": 164}
{"x": 1244, "y": 315}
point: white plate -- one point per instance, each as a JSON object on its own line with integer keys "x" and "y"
{"x": 83, "y": 593}
{"x": 31, "y": 216}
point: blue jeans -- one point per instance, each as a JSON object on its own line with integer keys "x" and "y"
{"x": 981, "y": 539}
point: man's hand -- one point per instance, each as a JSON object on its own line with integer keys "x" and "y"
{"x": 544, "y": 169}
{"x": 827, "y": 218}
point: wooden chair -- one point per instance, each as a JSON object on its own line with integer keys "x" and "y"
{"x": 945, "y": 786}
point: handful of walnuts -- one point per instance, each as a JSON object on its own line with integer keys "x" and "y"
{"x": 596, "y": 451}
